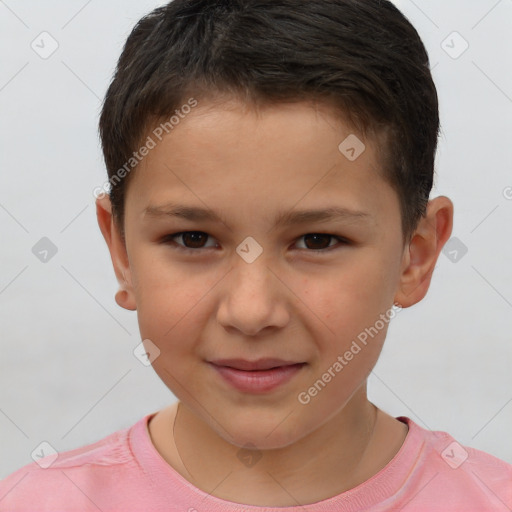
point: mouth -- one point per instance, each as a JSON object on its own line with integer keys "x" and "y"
{"x": 261, "y": 376}
{"x": 260, "y": 364}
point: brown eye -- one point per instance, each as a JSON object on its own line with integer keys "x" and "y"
{"x": 190, "y": 240}
{"x": 316, "y": 241}
{"x": 194, "y": 239}
{"x": 321, "y": 241}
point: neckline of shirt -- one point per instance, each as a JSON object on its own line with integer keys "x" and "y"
{"x": 383, "y": 485}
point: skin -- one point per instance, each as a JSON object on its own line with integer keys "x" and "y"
{"x": 293, "y": 302}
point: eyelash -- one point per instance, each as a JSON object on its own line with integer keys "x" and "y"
{"x": 168, "y": 239}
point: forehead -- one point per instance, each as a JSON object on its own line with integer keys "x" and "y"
{"x": 258, "y": 160}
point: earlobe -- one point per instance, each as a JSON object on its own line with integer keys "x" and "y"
{"x": 125, "y": 299}
{"x": 125, "y": 296}
{"x": 433, "y": 231}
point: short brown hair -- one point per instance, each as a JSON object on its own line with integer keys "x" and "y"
{"x": 362, "y": 56}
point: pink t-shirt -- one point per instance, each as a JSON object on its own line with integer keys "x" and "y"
{"x": 125, "y": 473}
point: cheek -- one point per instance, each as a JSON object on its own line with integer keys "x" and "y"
{"x": 172, "y": 315}
{"x": 345, "y": 311}
{"x": 170, "y": 301}
{"x": 350, "y": 296}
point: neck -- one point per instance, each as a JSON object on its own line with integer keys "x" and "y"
{"x": 348, "y": 449}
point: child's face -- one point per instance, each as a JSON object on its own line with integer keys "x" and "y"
{"x": 292, "y": 302}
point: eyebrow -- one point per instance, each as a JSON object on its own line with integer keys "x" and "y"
{"x": 193, "y": 213}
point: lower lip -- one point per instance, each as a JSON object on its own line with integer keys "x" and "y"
{"x": 258, "y": 381}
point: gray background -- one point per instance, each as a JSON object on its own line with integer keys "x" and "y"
{"x": 67, "y": 371}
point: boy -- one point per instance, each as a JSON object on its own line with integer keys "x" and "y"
{"x": 260, "y": 128}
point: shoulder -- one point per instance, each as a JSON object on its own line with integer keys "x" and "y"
{"x": 459, "y": 473}
{"x": 70, "y": 477}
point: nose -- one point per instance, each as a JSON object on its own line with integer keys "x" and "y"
{"x": 253, "y": 298}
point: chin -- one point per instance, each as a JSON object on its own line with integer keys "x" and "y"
{"x": 272, "y": 433}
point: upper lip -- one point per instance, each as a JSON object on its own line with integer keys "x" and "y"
{"x": 260, "y": 364}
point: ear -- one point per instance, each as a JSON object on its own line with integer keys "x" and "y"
{"x": 422, "y": 252}
{"x": 125, "y": 297}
